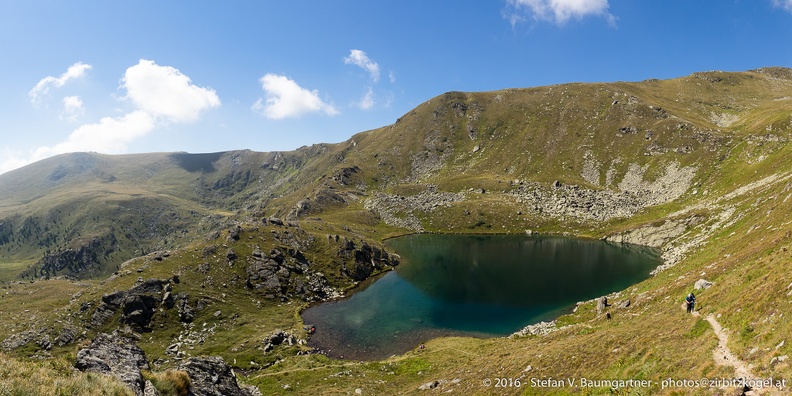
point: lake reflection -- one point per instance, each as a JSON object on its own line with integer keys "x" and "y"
{"x": 472, "y": 285}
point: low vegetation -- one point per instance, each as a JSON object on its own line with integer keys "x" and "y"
{"x": 699, "y": 164}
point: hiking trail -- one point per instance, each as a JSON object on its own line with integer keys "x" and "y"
{"x": 724, "y": 357}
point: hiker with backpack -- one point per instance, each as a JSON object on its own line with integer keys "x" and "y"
{"x": 690, "y": 300}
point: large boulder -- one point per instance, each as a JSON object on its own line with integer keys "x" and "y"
{"x": 137, "y": 310}
{"x": 115, "y": 355}
{"x": 702, "y": 284}
{"x": 186, "y": 311}
{"x": 211, "y": 376}
{"x": 138, "y": 304}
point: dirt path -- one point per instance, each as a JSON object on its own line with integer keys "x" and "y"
{"x": 722, "y": 354}
{"x": 724, "y": 357}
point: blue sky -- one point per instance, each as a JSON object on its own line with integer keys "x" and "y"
{"x": 206, "y": 76}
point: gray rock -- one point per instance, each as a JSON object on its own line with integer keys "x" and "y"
{"x": 17, "y": 340}
{"x": 231, "y": 255}
{"x": 702, "y": 284}
{"x": 541, "y": 328}
{"x": 137, "y": 310}
{"x": 429, "y": 385}
{"x": 167, "y": 300}
{"x": 149, "y": 389}
{"x": 148, "y": 286}
{"x": 44, "y": 342}
{"x": 275, "y": 221}
{"x": 211, "y": 376}
{"x": 186, "y": 311}
{"x": 173, "y": 349}
{"x": 233, "y": 234}
{"x": 602, "y": 303}
{"x": 251, "y": 390}
{"x": 277, "y": 337}
{"x": 115, "y": 355}
{"x": 102, "y": 314}
{"x": 66, "y": 336}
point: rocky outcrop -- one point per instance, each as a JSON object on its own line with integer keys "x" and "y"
{"x": 138, "y": 304}
{"x": 541, "y": 328}
{"x": 76, "y": 261}
{"x": 656, "y": 235}
{"x": 211, "y": 376}
{"x": 120, "y": 357}
{"x": 285, "y": 272}
{"x": 186, "y": 310}
{"x": 17, "y": 340}
{"x": 279, "y": 337}
{"x": 115, "y": 355}
{"x": 366, "y": 260}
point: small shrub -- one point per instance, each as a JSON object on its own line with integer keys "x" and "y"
{"x": 170, "y": 382}
{"x": 747, "y": 332}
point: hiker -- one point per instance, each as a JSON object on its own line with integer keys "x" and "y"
{"x": 690, "y": 300}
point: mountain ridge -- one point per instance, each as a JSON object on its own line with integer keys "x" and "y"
{"x": 697, "y": 166}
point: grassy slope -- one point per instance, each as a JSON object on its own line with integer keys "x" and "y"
{"x": 539, "y": 135}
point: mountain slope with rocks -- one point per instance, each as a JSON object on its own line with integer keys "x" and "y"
{"x": 195, "y": 255}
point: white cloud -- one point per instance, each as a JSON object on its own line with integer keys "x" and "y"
{"x": 161, "y": 94}
{"x": 109, "y": 135}
{"x": 367, "y": 101}
{"x": 73, "y": 108}
{"x": 11, "y": 160}
{"x": 284, "y": 98}
{"x": 163, "y": 91}
{"x": 361, "y": 59}
{"x": 785, "y": 4}
{"x": 392, "y": 77}
{"x": 560, "y": 11}
{"x": 42, "y": 88}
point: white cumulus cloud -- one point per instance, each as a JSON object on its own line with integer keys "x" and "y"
{"x": 110, "y": 136}
{"x": 164, "y": 91}
{"x": 360, "y": 58}
{"x": 73, "y": 108}
{"x": 162, "y": 95}
{"x": 785, "y": 4}
{"x": 284, "y": 98}
{"x": 560, "y": 11}
{"x": 44, "y": 85}
{"x": 11, "y": 160}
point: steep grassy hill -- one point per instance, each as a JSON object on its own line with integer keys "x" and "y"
{"x": 234, "y": 244}
{"x": 84, "y": 214}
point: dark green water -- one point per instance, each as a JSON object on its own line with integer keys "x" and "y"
{"x": 479, "y": 286}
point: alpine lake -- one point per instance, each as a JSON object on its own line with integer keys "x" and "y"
{"x": 471, "y": 285}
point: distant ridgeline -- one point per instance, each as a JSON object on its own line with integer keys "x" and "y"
{"x": 575, "y": 158}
